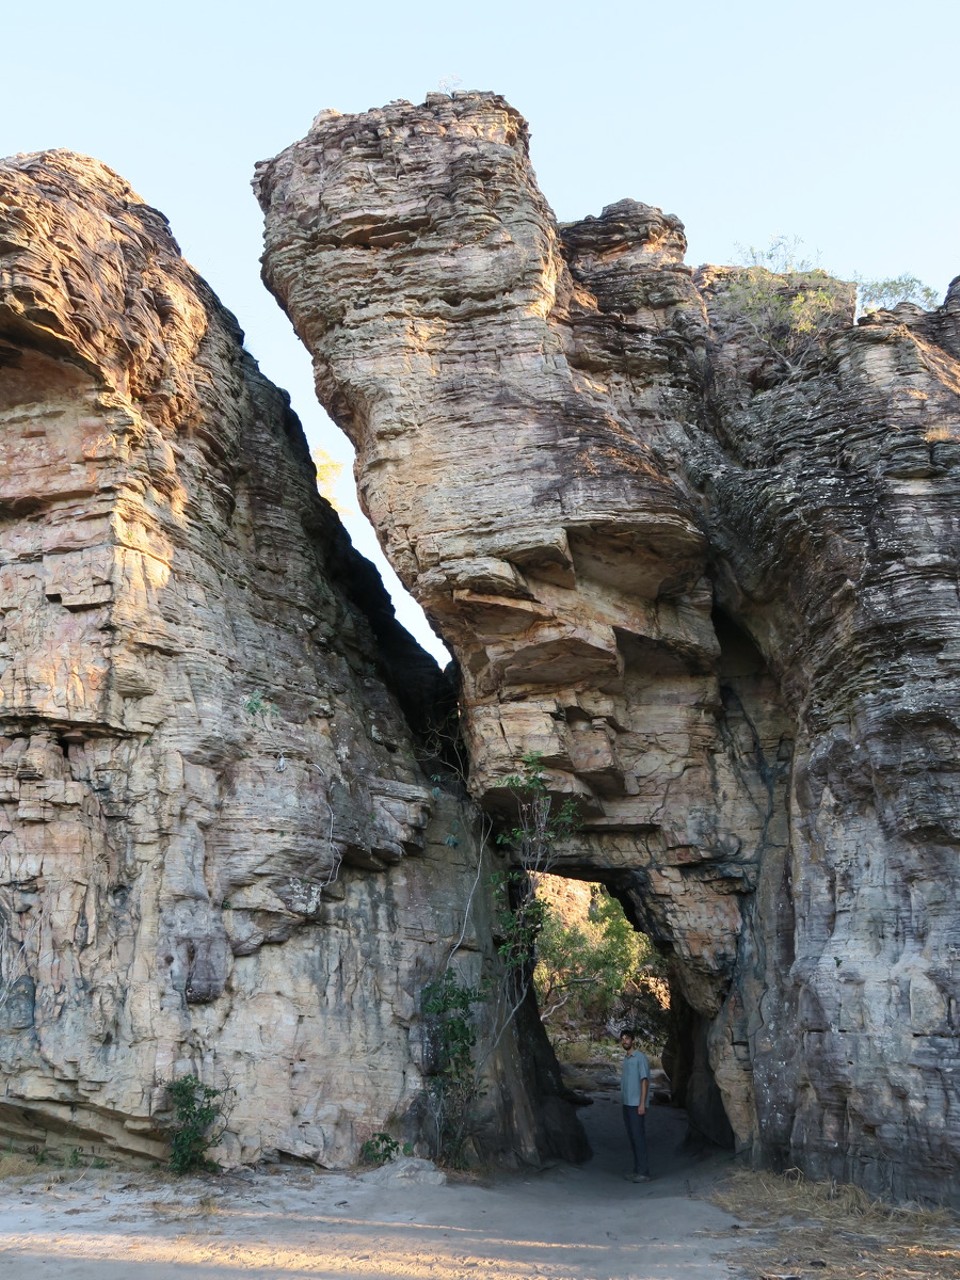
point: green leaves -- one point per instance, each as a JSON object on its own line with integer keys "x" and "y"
{"x": 791, "y": 307}
{"x": 519, "y": 915}
{"x": 791, "y": 314}
{"x": 539, "y": 822}
{"x": 257, "y": 704}
{"x": 382, "y": 1148}
{"x": 200, "y": 1117}
{"x": 877, "y": 295}
{"x": 539, "y": 826}
{"x": 449, "y": 1001}
{"x": 584, "y": 966}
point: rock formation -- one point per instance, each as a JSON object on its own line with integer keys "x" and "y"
{"x": 219, "y": 853}
{"x": 716, "y": 589}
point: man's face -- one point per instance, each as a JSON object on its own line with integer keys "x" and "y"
{"x": 626, "y": 1042}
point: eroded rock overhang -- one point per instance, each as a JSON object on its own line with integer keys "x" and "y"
{"x": 717, "y": 594}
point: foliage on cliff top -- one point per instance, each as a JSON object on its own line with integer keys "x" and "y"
{"x": 787, "y": 305}
{"x": 791, "y": 307}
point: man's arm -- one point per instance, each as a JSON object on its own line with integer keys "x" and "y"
{"x": 644, "y": 1088}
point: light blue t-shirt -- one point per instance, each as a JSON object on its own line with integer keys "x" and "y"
{"x": 635, "y": 1068}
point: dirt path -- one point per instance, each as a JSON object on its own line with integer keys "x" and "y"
{"x": 566, "y": 1223}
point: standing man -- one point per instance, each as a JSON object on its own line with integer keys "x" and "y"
{"x": 634, "y": 1087}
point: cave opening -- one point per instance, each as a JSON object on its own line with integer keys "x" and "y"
{"x": 599, "y": 973}
{"x": 596, "y": 973}
{"x": 688, "y": 833}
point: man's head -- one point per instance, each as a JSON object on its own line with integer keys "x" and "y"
{"x": 626, "y": 1040}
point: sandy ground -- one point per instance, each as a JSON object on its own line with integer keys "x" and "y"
{"x": 567, "y": 1223}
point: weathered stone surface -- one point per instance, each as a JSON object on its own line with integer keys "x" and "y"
{"x": 717, "y": 594}
{"x": 218, "y": 850}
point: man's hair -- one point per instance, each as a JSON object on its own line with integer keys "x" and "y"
{"x": 627, "y": 1031}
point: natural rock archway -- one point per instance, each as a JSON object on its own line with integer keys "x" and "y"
{"x": 716, "y": 591}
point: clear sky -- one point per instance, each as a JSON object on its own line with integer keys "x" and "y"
{"x": 835, "y": 122}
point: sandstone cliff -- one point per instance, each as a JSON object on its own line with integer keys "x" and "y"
{"x": 219, "y": 852}
{"x": 716, "y": 590}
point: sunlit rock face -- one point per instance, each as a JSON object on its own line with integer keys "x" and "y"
{"x": 218, "y": 851}
{"x": 718, "y": 595}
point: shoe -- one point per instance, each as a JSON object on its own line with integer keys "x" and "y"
{"x": 641, "y": 1177}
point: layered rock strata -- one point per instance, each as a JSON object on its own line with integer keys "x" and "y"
{"x": 714, "y": 588}
{"x": 218, "y": 851}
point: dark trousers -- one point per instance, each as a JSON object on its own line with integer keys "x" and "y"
{"x": 636, "y": 1127}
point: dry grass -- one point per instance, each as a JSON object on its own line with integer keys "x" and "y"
{"x": 580, "y": 1053}
{"x": 837, "y": 1232}
{"x": 47, "y": 1168}
{"x": 15, "y": 1165}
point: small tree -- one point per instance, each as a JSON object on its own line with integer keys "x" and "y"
{"x": 200, "y": 1118}
{"x": 583, "y": 966}
{"x": 538, "y": 827}
{"x": 789, "y": 306}
{"x": 883, "y": 295}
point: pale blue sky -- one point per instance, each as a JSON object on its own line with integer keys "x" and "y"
{"x": 835, "y": 122}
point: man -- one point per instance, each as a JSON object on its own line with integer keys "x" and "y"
{"x": 634, "y": 1087}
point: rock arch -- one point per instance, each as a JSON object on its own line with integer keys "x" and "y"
{"x": 717, "y": 594}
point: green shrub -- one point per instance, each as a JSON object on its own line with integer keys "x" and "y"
{"x": 200, "y": 1117}
{"x": 539, "y": 825}
{"x": 454, "y": 1086}
{"x": 455, "y": 1083}
{"x": 788, "y": 305}
{"x": 382, "y": 1148}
